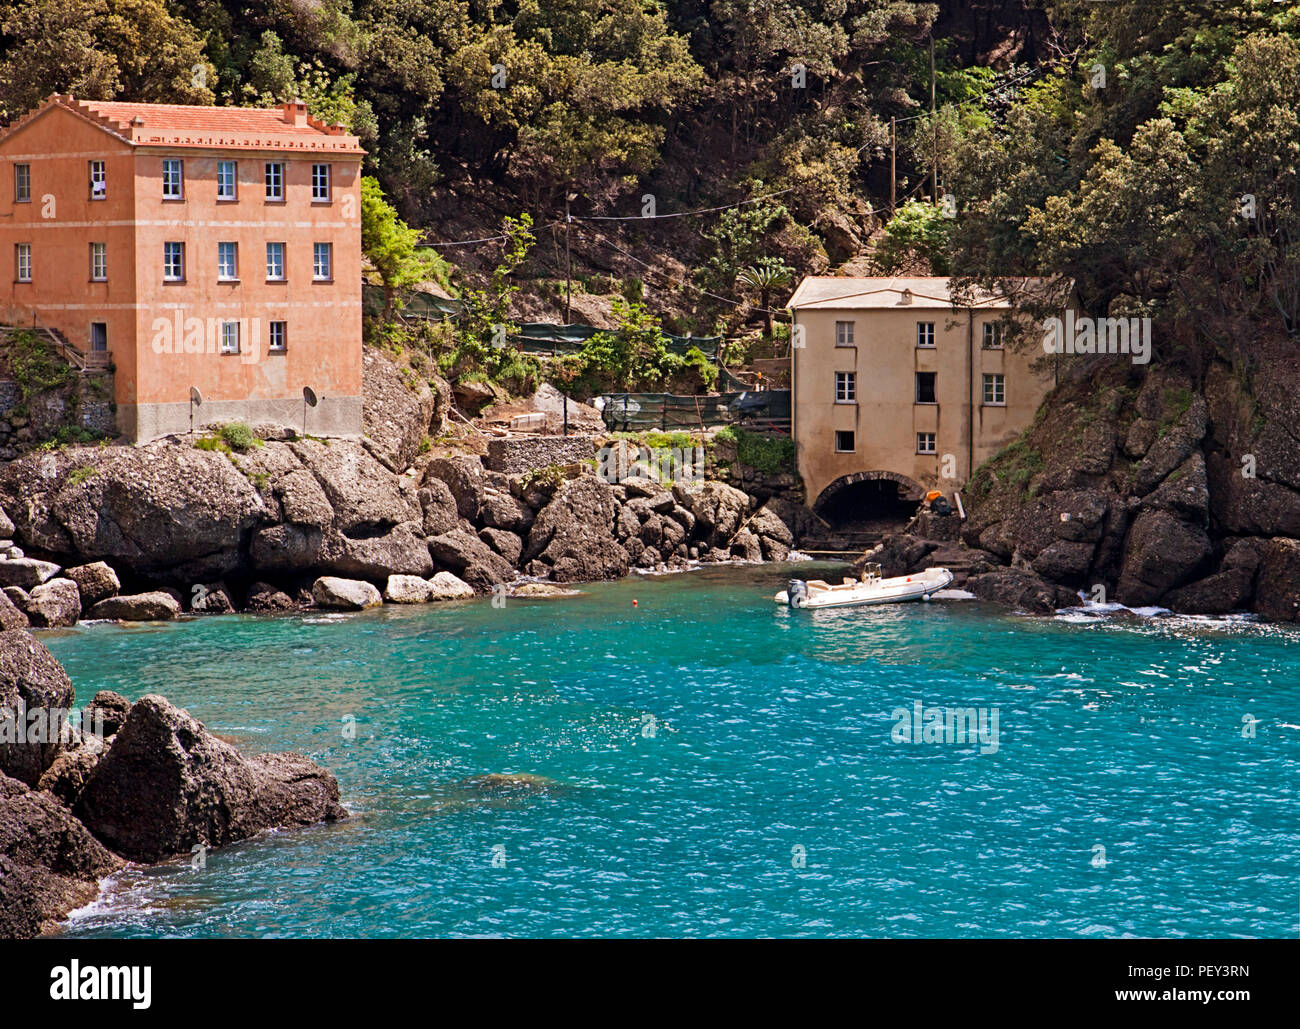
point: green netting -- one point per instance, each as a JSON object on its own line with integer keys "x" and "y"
{"x": 412, "y": 304}
{"x": 546, "y": 338}
{"x": 637, "y": 412}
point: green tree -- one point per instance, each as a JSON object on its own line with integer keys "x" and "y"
{"x": 392, "y": 246}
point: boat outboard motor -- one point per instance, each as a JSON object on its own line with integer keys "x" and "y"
{"x": 797, "y": 592}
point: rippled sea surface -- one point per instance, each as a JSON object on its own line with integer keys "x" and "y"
{"x": 721, "y": 766}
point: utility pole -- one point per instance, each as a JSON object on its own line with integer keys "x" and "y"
{"x": 893, "y": 166}
{"x": 568, "y": 257}
{"x": 934, "y": 132}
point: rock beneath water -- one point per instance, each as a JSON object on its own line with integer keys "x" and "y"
{"x": 508, "y": 782}
{"x": 167, "y": 784}
{"x": 32, "y": 683}
{"x": 106, "y": 713}
{"x": 53, "y": 604}
{"x": 49, "y": 862}
{"x": 407, "y": 589}
{"x": 346, "y": 594}
{"x": 1277, "y": 590}
{"x": 445, "y": 586}
{"x": 11, "y": 617}
{"x": 26, "y": 572}
{"x": 262, "y": 596}
{"x": 471, "y": 559}
{"x": 1022, "y": 590}
{"x": 96, "y": 581}
{"x": 156, "y": 606}
{"x": 542, "y": 591}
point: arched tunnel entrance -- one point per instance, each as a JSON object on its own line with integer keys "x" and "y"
{"x": 869, "y": 501}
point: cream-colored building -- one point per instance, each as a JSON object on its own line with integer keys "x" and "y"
{"x": 895, "y": 388}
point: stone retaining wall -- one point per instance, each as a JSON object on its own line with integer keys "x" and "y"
{"x": 526, "y": 453}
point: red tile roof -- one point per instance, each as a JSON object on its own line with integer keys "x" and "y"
{"x": 260, "y": 128}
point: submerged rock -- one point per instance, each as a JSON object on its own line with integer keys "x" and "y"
{"x": 167, "y": 784}
{"x": 508, "y": 782}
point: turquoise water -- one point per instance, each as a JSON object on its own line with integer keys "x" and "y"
{"x": 697, "y": 740}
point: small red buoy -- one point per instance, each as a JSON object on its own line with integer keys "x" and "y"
{"x": 634, "y": 602}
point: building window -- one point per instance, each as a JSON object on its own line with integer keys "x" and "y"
{"x": 993, "y": 335}
{"x": 22, "y": 183}
{"x": 275, "y": 262}
{"x": 995, "y": 390}
{"x": 230, "y": 337}
{"x": 98, "y": 337}
{"x": 925, "y": 388}
{"x": 846, "y": 387}
{"x": 844, "y": 334}
{"x": 322, "y": 261}
{"x": 99, "y": 262}
{"x": 98, "y": 180}
{"x": 173, "y": 262}
{"x": 227, "y": 181}
{"x": 228, "y": 261}
{"x": 925, "y": 443}
{"x": 320, "y": 182}
{"x": 278, "y": 341}
{"x": 173, "y": 179}
{"x": 925, "y": 334}
{"x": 274, "y": 180}
{"x": 843, "y": 442}
{"x": 23, "y": 262}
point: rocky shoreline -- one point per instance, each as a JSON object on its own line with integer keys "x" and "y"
{"x": 140, "y": 782}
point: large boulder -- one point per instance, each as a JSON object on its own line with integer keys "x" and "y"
{"x": 162, "y": 508}
{"x": 1277, "y": 590}
{"x": 26, "y": 572}
{"x": 1020, "y": 589}
{"x": 11, "y": 616}
{"x": 72, "y": 769}
{"x": 401, "y": 550}
{"x": 155, "y": 606}
{"x": 96, "y": 581}
{"x": 6, "y": 526}
{"x": 345, "y": 594}
{"x": 574, "y": 535}
{"x": 105, "y": 714}
{"x": 53, "y": 604}
{"x": 719, "y": 510}
{"x": 407, "y": 589}
{"x": 507, "y": 544}
{"x": 445, "y": 586}
{"x": 1162, "y": 552}
{"x": 398, "y": 406}
{"x": 471, "y": 559}
{"x": 49, "y": 862}
{"x": 35, "y": 698}
{"x": 366, "y": 498}
{"x": 500, "y": 509}
{"x": 463, "y": 475}
{"x": 167, "y": 785}
{"x": 262, "y": 596}
{"x": 439, "y": 507}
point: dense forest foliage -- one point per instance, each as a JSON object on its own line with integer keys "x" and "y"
{"x": 1148, "y": 151}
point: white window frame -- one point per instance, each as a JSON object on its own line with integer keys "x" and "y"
{"x": 172, "y": 165}
{"x": 98, "y": 262}
{"x": 22, "y": 262}
{"x": 843, "y": 450}
{"x": 98, "y": 177}
{"x": 317, "y": 251}
{"x": 921, "y": 441}
{"x": 846, "y": 387}
{"x": 233, "y": 168}
{"x": 993, "y": 336}
{"x": 995, "y": 389}
{"x": 225, "y": 248}
{"x": 283, "y": 345}
{"x": 321, "y": 179}
{"x": 273, "y": 177}
{"x": 844, "y": 334}
{"x": 925, "y": 335}
{"x": 276, "y": 248}
{"x": 229, "y": 338}
{"x": 170, "y": 248}
{"x": 22, "y": 183}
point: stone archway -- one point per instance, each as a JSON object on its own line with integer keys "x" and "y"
{"x": 867, "y": 495}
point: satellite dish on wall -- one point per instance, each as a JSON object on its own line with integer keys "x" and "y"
{"x": 195, "y": 396}
{"x": 309, "y": 396}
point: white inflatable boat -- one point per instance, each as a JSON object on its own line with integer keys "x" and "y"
{"x": 870, "y": 589}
